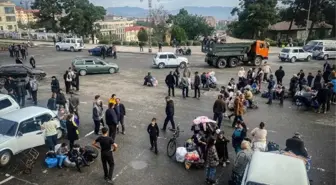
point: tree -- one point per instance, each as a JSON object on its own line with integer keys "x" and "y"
{"x": 178, "y": 33}
{"x": 193, "y": 25}
{"x": 21, "y": 25}
{"x": 142, "y": 35}
{"x": 48, "y": 16}
{"x": 254, "y": 17}
{"x": 158, "y": 21}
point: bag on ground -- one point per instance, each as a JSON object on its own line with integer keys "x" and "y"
{"x": 180, "y": 154}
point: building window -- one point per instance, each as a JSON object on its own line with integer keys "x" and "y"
{"x": 10, "y": 27}
{"x": 9, "y": 10}
{"x": 10, "y": 18}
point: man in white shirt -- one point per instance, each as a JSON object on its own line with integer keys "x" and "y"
{"x": 50, "y": 128}
{"x": 266, "y": 69}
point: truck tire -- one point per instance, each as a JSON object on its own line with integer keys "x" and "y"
{"x": 221, "y": 63}
{"x": 257, "y": 61}
{"x": 233, "y": 62}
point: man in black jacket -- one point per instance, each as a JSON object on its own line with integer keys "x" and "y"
{"x": 103, "y": 51}
{"x": 121, "y": 112}
{"x": 197, "y": 83}
{"x": 111, "y": 120}
{"x": 296, "y": 145}
{"x": 170, "y": 113}
{"x": 219, "y": 110}
{"x": 54, "y": 84}
{"x": 9, "y": 84}
{"x": 279, "y": 74}
{"x": 170, "y": 81}
{"x": 60, "y": 98}
{"x": 21, "y": 92}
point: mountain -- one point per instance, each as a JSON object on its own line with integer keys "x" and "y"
{"x": 220, "y": 13}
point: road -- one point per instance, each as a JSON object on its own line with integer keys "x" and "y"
{"x": 135, "y": 163}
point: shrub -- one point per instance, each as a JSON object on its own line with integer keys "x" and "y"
{"x": 126, "y": 43}
{"x": 103, "y": 42}
{"x": 271, "y": 42}
{"x": 143, "y": 43}
{"x": 196, "y": 43}
{"x": 165, "y": 44}
{"x": 117, "y": 42}
{"x": 189, "y": 42}
{"x": 133, "y": 43}
{"x": 182, "y": 43}
{"x": 154, "y": 43}
{"x": 86, "y": 40}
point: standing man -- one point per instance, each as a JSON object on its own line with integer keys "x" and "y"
{"x": 54, "y": 84}
{"x": 279, "y": 74}
{"x": 270, "y": 87}
{"x": 160, "y": 46}
{"x": 185, "y": 86}
{"x": 60, "y": 98}
{"x": 170, "y": 81}
{"x": 73, "y": 105}
{"x": 121, "y": 112}
{"x": 32, "y": 61}
{"x": 111, "y": 120}
{"x": 54, "y": 40}
{"x": 103, "y": 52}
{"x": 219, "y": 110}
{"x": 107, "y": 146}
{"x": 177, "y": 76}
{"x": 21, "y": 92}
{"x": 197, "y": 83}
{"x": 267, "y": 70}
{"x": 96, "y": 115}
{"x": 170, "y": 113}
{"x": 34, "y": 87}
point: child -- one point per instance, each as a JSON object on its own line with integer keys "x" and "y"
{"x": 221, "y": 147}
{"x": 204, "y": 79}
{"x": 310, "y": 78}
{"x": 153, "y": 131}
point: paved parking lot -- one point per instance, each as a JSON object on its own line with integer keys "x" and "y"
{"x": 135, "y": 163}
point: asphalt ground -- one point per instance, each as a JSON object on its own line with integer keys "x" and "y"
{"x": 135, "y": 164}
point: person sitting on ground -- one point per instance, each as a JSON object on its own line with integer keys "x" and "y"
{"x": 231, "y": 85}
{"x": 61, "y": 153}
{"x": 76, "y": 156}
{"x": 148, "y": 79}
{"x": 248, "y": 96}
{"x": 242, "y": 159}
{"x": 296, "y": 145}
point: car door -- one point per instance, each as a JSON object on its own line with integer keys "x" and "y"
{"x": 100, "y": 66}
{"x": 29, "y": 135}
{"x": 172, "y": 60}
{"x": 295, "y": 53}
{"x": 163, "y": 58}
{"x": 67, "y": 44}
{"x": 90, "y": 66}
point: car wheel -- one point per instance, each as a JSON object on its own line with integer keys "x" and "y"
{"x": 293, "y": 59}
{"x": 183, "y": 65}
{"x": 325, "y": 57}
{"x": 233, "y": 62}
{"x": 59, "y": 133}
{"x": 5, "y": 158}
{"x": 309, "y": 58}
{"x": 221, "y": 63}
{"x": 161, "y": 65}
{"x": 82, "y": 72}
{"x": 58, "y": 48}
{"x": 257, "y": 61}
{"x": 112, "y": 70}
{"x": 72, "y": 49}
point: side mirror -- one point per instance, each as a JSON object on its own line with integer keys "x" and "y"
{"x": 19, "y": 134}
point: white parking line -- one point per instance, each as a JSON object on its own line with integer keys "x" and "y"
{"x": 7, "y": 179}
{"x": 90, "y": 133}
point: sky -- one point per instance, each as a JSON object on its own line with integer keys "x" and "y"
{"x": 168, "y": 4}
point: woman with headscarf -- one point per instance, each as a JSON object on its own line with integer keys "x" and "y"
{"x": 241, "y": 73}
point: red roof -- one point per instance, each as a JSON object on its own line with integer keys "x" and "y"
{"x": 134, "y": 28}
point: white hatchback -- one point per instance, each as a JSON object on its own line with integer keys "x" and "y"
{"x": 21, "y": 130}
{"x": 7, "y": 104}
{"x": 293, "y": 54}
{"x": 169, "y": 59}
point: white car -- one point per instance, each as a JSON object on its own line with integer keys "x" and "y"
{"x": 7, "y": 104}
{"x": 70, "y": 44}
{"x": 275, "y": 169}
{"x": 293, "y": 54}
{"x": 169, "y": 59}
{"x": 21, "y": 130}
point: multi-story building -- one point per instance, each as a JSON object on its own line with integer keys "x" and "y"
{"x": 114, "y": 27}
{"x": 210, "y": 20}
{"x": 25, "y": 16}
{"x": 8, "y": 20}
{"x": 131, "y": 33}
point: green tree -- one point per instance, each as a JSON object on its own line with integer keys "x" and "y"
{"x": 193, "y": 25}
{"x": 48, "y": 16}
{"x": 158, "y": 17}
{"x": 142, "y": 35}
{"x": 254, "y": 17}
{"x": 178, "y": 33}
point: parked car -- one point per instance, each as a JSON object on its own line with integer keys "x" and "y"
{"x": 21, "y": 130}
{"x": 70, "y": 44}
{"x": 311, "y": 45}
{"x": 20, "y": 71}
{"x": 324, "y": 52}
{"x": 90, "y": 65}
{"x": 97, "y": 51}
{"x": 7, "y": 104}
{"x": 169, "y": 59}
{"x": 275, "y": 169}
{"x": 293, "y": 54}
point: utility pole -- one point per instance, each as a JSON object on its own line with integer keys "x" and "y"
{"x": 27, "y": 4}
{"x": 150, "y": 29}
{"x": 308, "y": 17}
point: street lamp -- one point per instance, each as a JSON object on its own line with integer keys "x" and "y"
{"x": 27, "y": 4}
{"x": 150, "y": 18}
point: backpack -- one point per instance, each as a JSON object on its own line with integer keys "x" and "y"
{"x": 33, "y": 85}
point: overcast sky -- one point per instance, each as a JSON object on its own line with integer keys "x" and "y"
{"x": 168, "y": 4}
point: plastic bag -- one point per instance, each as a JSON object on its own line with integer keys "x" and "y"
{"x": 192, "y": 156}
{"x": 180, "y": 154}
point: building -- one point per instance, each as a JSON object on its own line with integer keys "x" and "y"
{"x": 210, "y": 20}
{"x": 131, "y": 33}
{"x": 7, "y": 16}
{"x": 25, "y": 16}
{"x": 281, "y": 30}
{"x": 115, "y": 27}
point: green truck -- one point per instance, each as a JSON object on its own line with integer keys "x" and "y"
{"x": 232, "y": 54}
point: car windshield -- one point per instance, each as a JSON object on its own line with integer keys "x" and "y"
{"x": 8, "y": 127}
{"x": 285, "y": 50}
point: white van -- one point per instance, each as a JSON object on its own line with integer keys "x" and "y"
{"x": 324, "y": 52}
{"x": 318, "y": 43}
{"x": 7, "y": 104}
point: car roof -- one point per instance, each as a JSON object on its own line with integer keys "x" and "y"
{"x": 26, "y": 113}
{"x": 165, "y": 53}
{"x": 85, "y": 58}
{"x": 2, "y": 96}
{"x": 276, "y": 169}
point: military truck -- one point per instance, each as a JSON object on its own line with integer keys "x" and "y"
{"x": 223, "y": 55}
